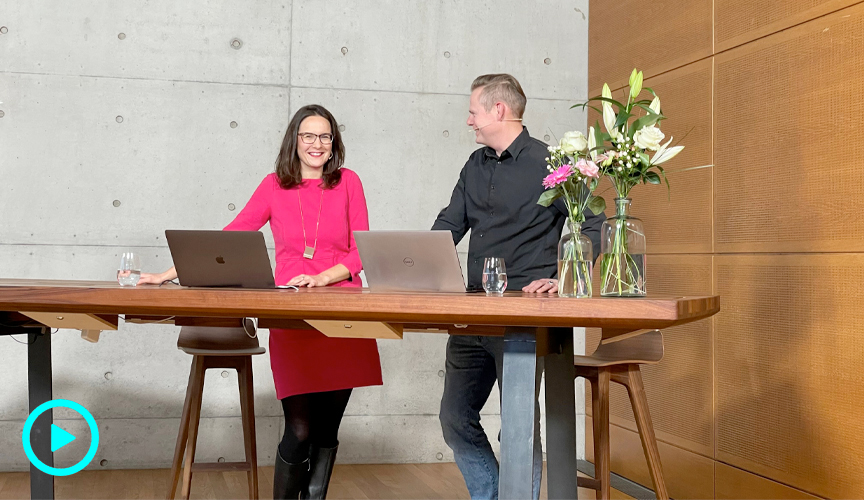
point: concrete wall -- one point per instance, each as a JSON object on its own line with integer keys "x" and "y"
{"x": 122, "y": 119}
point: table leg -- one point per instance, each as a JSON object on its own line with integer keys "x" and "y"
{"x": 560, "y": 415}
{"x": 517, "y": 413}
{"x": 39, "y": 379}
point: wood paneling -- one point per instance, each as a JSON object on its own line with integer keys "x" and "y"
{"x": 787, "y": 133}
{"x": 736, "y": 484}
{"x": 741, "y": 21}
{"x": 788, "y": 377}
{"x": 786, "y": 91}
{"x": 679, "y": 388}
{"x": 651, "y": 36}
{"x": 687, "y": 474}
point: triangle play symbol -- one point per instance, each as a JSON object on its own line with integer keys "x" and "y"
{"x": 59, "y": 438}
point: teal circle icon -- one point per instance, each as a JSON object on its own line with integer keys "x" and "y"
{"x": 28, "y": 427}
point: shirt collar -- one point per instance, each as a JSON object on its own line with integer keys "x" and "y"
{"x": 517, "y": 146}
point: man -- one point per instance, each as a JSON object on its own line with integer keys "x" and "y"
{"x": 496, "y": 198}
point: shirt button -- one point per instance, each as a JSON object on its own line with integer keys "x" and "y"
{"x": 499, "y": 162}
{"x": 481, "y": 235}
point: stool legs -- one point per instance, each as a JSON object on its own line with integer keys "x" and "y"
{"x": 187, "y": 437}
{"x": 600, "y": 421}
{"x": 630, "y": 377}
{"x": 646, "y": 429}
{"x": 183, "y": 434}
{"x": 247, "y": 410}
{"x": 194, "y": 418}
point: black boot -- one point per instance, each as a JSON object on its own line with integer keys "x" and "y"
{"x": 322, "y": 460}
{"x": 290, "y": 479}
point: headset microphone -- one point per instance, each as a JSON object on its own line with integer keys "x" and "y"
{"x": 493, "y": 121}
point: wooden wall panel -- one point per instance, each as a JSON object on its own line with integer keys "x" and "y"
{"x": 788, "y": 175}
{"x": 688, "y": 475}
{"x": 788, "y": 380}
{"x": 679, "y": 388}
{"x": 653, "y": 36}
{"x": 741, "y": 21}
{"x": 736, "y": 484}
{"x": 678, "y": 220}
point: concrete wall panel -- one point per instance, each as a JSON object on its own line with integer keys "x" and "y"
{"x": 173, "y": 162}
{"x": 151, "y": 39}
{"x": 440, "y": 46}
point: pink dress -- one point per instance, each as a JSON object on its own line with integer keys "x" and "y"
{"x": 305, "y": 361}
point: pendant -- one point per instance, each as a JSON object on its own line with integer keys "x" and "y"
{"x": 309, "y": 252}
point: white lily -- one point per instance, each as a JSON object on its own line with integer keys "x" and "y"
{"x": 608, "y": 114}
{"x": 655, "y": 105}
{"x": 592, "y": 143}
{"x": 665, "y": 153}
{"x": 635, "y": 84}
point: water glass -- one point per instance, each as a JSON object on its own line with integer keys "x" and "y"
{"x": 129, "y": 271}
{"x": 494, "y": 276}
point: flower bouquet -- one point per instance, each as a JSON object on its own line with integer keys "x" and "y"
{"x": 573, "y": 176}
{"x": 622, "y": 153}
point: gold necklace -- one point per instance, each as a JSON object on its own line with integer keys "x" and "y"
{"x": 309, "y": 252}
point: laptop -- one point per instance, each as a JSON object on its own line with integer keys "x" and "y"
{"x": 410, "y": 261}
{"x": 236, "y": 259}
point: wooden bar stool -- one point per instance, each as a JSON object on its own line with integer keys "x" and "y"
{"x": 617, "y": 359}
{"x": 216, "y": 347}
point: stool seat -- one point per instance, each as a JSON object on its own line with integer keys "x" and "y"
{"x": 216, "y": 347}
{"x": 644, "y": 347}
{"x": 617, "y": 359}
{"x": 213, "y": 352}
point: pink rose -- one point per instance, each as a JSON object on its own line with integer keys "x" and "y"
{"x": 588, "y": 168}
{"x": 558, "y": 176}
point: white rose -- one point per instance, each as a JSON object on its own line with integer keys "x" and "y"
{"x": 573, "y": 142}
{"x": 648, "y": 138}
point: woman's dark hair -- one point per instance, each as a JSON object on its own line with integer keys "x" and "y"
{"x": 288, "y": 163}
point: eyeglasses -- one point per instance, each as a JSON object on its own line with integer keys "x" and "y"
{"x": 309, "y": 138}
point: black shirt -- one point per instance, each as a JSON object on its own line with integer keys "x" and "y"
{"x": 496, "y": 197}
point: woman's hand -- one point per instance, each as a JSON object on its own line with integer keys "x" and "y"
{"x": 309, "y": 281}
{"x": 151, "y": 278}
{"x": 542, "y": 286}
{"x": 157, "y": 278}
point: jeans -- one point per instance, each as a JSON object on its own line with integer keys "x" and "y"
{"x": 474, "y": 363}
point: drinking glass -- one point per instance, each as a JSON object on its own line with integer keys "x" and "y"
{"x": 129, "y": 271}
{"x": 494, "y": 276}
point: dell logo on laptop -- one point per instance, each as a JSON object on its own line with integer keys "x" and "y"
{"x": 220, "y": 260}
{"x": 408, "y": 261}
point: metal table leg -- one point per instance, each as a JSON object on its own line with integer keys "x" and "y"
{"x": 517, "y": 413}
{"x": 560, "y": 415}
{"x": 39, "y": 379}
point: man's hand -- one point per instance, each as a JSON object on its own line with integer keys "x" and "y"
{"x": 542, "y": 286}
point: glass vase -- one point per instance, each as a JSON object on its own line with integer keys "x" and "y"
{"x": 575, "y": 259}
{"x": 622, "y": 245}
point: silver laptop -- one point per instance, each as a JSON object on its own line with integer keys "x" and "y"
{"x": 236, "y": 259}
{"x": 410, "y": 261}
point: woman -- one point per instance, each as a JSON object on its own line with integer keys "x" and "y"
{"x": 312, "y": 205}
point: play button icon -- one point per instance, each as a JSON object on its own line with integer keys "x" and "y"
{"x": 59, "y": 438}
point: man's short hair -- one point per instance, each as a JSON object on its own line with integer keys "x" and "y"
{"x": 500, "y": 87}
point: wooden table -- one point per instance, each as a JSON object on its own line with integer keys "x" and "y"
{"x": 533, "y": 327}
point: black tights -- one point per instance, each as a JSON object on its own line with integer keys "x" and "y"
{"x": 311, "y": 419}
